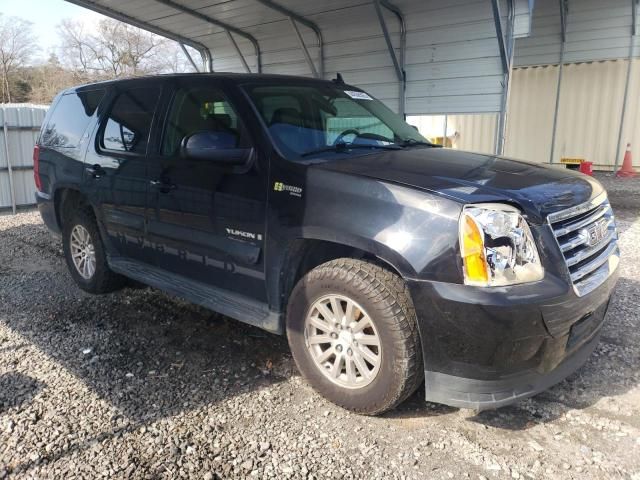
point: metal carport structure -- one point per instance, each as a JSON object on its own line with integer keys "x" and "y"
{"x": 418, "y": 56}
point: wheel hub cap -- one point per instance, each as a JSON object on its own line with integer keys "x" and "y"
{"x": 83, "y": 252}
{"x": 343, "y": 341}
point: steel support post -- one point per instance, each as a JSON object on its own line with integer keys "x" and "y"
{"x": 564, "y": 13}
{"x": 625, "y": 98}
{"x": 12, "y": 190}
{"x": 505, "y": 45}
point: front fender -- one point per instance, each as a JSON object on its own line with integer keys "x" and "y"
{"x": 413, "y": 230}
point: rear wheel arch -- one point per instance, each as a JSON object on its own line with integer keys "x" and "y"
{"x": 67, "y": 201}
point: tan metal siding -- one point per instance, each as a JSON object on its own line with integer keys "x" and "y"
{"x": 588, "y": 118}
{"x": 474, "y": 132}
{"x": 530, "y": 114}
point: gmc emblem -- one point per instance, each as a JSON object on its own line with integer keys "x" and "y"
{"x": 597, "y": 231}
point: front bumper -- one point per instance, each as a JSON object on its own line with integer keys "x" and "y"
{"x": 485, "y": 348}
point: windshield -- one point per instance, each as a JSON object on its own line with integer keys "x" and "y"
{"x": 312, "y": 120}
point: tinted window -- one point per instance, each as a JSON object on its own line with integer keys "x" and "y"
{"x": 350, "y": 115}
{"x": 129, "y": 122}
{"x": 309, "y": 119}
{"x": 71, "y": 118}
{"x": 197, "y": 110}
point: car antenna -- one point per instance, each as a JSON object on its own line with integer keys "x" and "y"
{"x": 338, "y": 79}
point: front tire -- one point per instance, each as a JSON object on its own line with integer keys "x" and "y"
{"x": 85, "y": 254}
{"x": 353, "y": 333}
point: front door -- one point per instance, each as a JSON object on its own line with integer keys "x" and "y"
{"x": 207, "y": 219}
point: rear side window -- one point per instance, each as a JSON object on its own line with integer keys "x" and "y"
{"x": 128, "y": 123}
{"x": 71, "y": 118}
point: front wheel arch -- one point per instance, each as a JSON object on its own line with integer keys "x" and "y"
{"x": 304, "y": 254}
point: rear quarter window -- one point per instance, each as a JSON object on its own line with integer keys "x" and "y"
{"x": 127, "y": 126}
{"x": 70, "y": 118}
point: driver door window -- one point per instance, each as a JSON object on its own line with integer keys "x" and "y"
{"x": 200, "y": 110}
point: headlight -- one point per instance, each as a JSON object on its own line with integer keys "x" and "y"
{"x": 497, "y": 247}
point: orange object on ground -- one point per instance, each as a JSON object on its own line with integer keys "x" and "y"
{"x": 627, "y": 165}
{"x": 586, "y": 168}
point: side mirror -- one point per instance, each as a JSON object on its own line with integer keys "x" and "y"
{"x": 214, "y": 146}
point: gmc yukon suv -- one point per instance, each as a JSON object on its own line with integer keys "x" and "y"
{"x": 308, "y": 208}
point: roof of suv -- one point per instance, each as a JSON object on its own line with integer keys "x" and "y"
{"x": 235, "y": 77}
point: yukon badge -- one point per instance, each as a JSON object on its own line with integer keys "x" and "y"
{"x": 248, "y": 235}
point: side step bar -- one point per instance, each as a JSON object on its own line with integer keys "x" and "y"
{"x": 227, "y": 303}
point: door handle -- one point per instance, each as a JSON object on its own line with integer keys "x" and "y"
{"x": 164, "y": 186}
{"x": 95, "y": 171}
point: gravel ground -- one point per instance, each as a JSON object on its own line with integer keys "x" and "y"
{"x": 138, "y": 384}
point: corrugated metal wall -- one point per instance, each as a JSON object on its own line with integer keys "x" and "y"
{"x": 22, "y": 124}
{"x": 530, "y": 113}
{"x": 476, "y": 133}
{"x": 596, "y": 30}
{"x": 589, "y": 112}
{"x": 452, "y": 57}
{"x": 588, "y": 117}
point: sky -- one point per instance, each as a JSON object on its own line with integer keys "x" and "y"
{"x": 45, "y": 16}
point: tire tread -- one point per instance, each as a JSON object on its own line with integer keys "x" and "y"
{"x": 391, "y": 294}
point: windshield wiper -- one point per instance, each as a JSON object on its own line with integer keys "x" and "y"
{"x": 343, "y": 147}
{"x": 410, "y": 142}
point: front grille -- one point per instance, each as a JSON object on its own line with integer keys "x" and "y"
{"x": 588, "y": 240}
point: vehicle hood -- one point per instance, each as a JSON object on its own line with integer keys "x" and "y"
{"x": 471, "y": 178}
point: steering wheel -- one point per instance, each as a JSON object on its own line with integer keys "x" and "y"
{"x": 349, "y": 131}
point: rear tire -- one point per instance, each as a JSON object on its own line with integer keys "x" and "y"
{"x": 85, "y": 254}
{"x": 353, "y": 333}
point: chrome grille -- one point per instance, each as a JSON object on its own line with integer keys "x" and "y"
{"x": 588, "y": 240}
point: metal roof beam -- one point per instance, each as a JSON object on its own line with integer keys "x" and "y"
{"x": 564, "y": 8}
{"x": 304, "y": 48}
{"x": 238, "y": 51}
{"x": 398, "y": 65}
{"x": 497, "y": 20}
{"x": 203, "y": 49}
{"x": 387, "y": 39}
{"x": 188, "y": 55}
{"x": 293, "y": 18}
{"x": 223, "y": 25}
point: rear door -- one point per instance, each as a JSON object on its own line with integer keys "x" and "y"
{"x": 208, "y": 219}
{"x": 115, "y": 169}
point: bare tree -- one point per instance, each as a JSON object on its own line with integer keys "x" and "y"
{"x": 47, "y": 79}
{"x": 113, "y": 49}
{"x": 17, "y": 45}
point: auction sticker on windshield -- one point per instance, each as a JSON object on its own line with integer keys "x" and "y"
{"x": 358, "y": 95}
